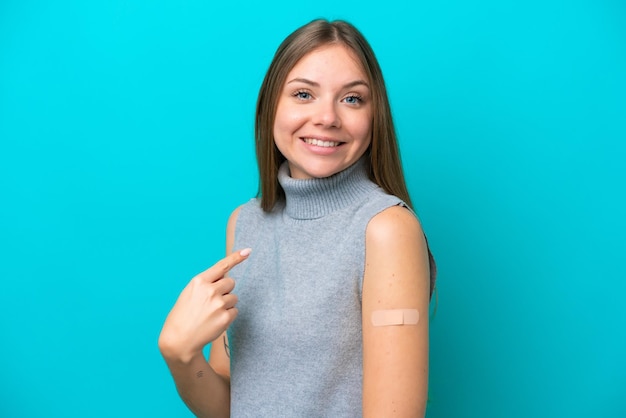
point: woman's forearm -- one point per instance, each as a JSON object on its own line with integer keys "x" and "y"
{"x": 202, "y": 312}
{"x": 206, "y": 393}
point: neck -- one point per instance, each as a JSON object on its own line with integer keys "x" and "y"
{"x": 317, "y": 197}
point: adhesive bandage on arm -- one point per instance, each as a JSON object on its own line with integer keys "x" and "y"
{"x": 387, "y": 317}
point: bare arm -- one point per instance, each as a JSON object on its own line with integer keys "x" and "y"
{"x": 201, "y": 315}
{"x": 206, "y": 393}
{"x": 219, "y": 356}
{"x": 395, "y": 357}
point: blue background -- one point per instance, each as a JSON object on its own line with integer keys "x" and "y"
{"x": 126, "y": 140}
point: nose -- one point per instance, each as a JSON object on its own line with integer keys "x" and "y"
{"x": 327, "y": 114}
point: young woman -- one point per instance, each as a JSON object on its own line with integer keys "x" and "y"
{"x": 330, "y": 313}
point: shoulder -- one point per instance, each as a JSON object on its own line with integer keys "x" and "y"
{"x": 249, "y": 210}
{"x": 248, "y": 217}
{"x": 394, "y": 223}
{"x": 396, "y": 252}
{"x": 232, "y": 220}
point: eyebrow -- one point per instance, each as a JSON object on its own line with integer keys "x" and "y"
{"x": 315, "y": 84}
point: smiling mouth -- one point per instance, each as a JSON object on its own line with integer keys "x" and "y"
{"x": 320, "y": 143}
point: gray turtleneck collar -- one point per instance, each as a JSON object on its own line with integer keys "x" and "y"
{"x": 317, "y": 197}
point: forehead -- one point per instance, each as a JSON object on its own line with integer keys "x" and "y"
{"x": 329, "y": 61}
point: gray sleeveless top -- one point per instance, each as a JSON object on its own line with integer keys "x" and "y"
{"x": 296, "y": 345}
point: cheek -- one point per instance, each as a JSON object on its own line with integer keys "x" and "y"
{"x": 367, "y": 130}
{"x": 287, "y": 120}
{"x": 362, "y": 128}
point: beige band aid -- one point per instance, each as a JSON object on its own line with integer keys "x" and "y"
{"x": 395, "y": 317}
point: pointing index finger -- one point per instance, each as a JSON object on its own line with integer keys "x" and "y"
{"x": 219, "y": 269}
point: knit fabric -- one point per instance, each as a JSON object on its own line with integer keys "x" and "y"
{"x": 296, "y": 345}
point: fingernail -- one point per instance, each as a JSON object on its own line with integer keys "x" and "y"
{"x": 245, "y": 252}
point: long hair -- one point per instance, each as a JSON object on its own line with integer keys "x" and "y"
{"x": 384, "y": 163}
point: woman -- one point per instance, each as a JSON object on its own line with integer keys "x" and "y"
{"x": 330, "y": 316}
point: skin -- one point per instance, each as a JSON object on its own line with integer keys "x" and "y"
{"x": 395, "y": 358}
{"x": 325, "y": 97}
{"x": 319, "y": 100}
{"x": 201, "y": 315}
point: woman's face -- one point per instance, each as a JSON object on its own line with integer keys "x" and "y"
{"x": 323, "y": 119}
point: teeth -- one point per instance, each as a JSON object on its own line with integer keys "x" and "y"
{"x": 320, "y": 143}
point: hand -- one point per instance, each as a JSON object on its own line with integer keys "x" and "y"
{"x": 203, "y": 311}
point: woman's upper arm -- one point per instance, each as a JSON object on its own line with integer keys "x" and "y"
{"x": 219, "y": 357}
{"x": 395, "y": 357}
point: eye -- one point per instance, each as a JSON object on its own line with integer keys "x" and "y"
{"x": 302, "y": 95}
{"x": 353, "y": 99}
